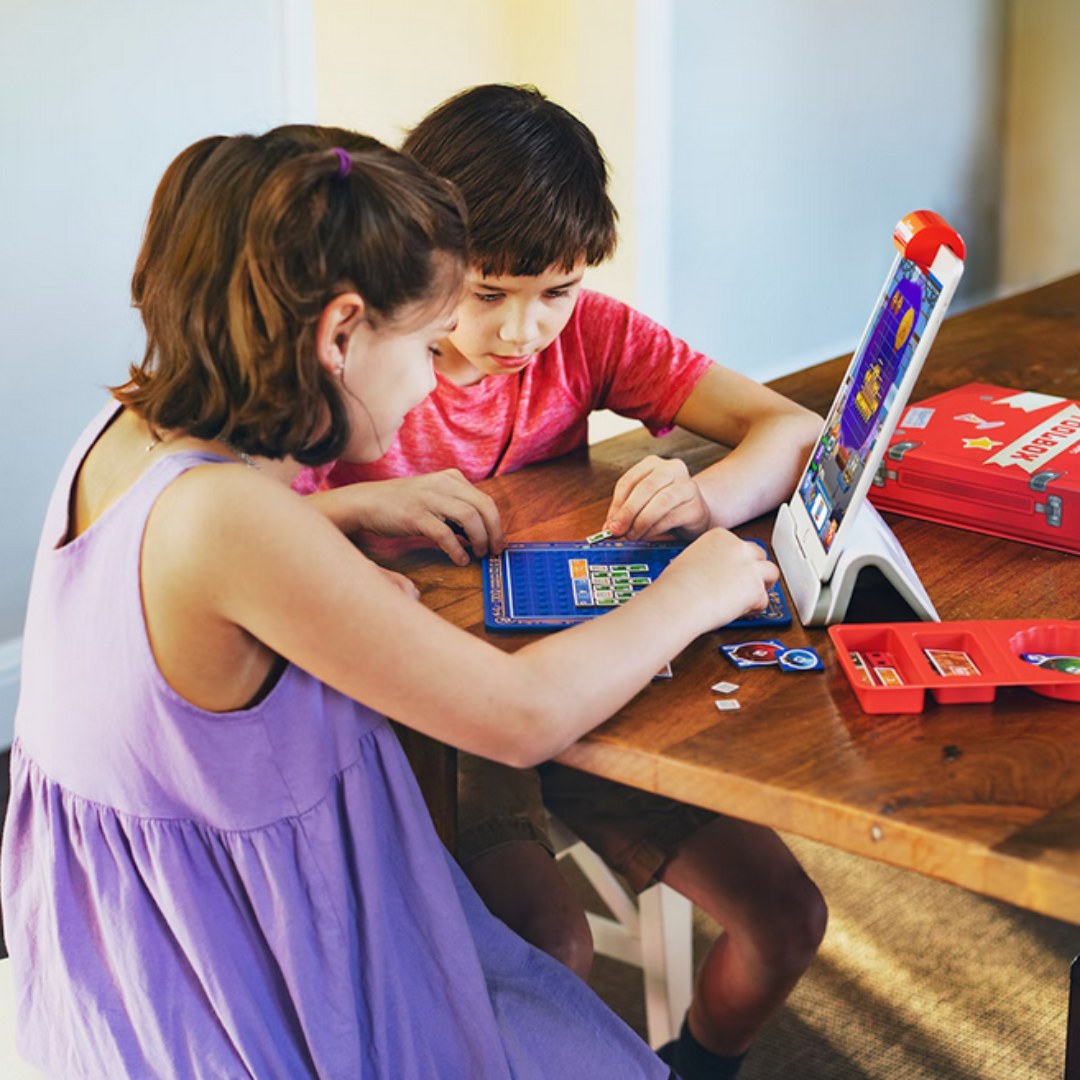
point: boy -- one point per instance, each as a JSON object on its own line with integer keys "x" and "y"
{"x": 531, "y": 356}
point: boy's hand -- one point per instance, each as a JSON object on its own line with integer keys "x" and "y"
{"x": 442, "y": 506}
{"x": 657, "y": 495}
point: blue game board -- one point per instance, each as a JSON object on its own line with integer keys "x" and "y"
{"x": 550, "y": 586}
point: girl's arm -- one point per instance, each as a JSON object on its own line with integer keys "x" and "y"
{"x": 418, "y": 506}
{"x": 771, "y": 437}
{"x": 237, "y": 571}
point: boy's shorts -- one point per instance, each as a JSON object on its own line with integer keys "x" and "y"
{"x": 635, "y": 832}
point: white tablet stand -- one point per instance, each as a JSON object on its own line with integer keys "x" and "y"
{"x": 869, "y": 542}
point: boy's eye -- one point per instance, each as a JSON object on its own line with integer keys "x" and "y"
{"x": 488, "y": 297}
{"x": 557, "y": 294}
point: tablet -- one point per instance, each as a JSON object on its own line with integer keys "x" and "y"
{"x": 875, "y": 388}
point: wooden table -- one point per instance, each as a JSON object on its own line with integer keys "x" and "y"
{"x": 983, "y": 796}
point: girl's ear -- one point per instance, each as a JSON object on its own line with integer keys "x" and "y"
{"x": 335, "y": 327}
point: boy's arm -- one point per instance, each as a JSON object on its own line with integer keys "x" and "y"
{"x": 771, "y": 438}
{"x": 442, "y": 506}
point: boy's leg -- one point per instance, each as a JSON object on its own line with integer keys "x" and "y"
{"x": 773, "y": 918}
{"x": 743, "y": 875}
{"x": 505, "y": 851}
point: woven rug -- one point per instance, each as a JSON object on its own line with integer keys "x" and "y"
{"x": 916, "y": 979}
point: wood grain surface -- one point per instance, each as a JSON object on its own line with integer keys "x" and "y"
{"x": 984, "y": 796}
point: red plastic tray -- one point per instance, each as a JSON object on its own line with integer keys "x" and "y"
{"x": 994, "y": 646}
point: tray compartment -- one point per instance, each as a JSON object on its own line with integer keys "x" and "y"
{"x": 995, "y": 646}
{"x": 872, "y": 638}
{"x": 1053, "y": 639}
{"x": 957, "y": 689}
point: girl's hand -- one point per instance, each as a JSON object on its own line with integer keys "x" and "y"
{"x": 723, "y": 575}
{"x": 443, "y": 506}
{"x": 657, "y": 495}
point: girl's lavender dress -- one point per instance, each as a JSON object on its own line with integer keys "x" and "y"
{"x": 250, "y": 894}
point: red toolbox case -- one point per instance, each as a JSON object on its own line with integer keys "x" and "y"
{"x": 991, "y": 459}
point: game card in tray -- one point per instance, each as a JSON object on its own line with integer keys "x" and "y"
{"x": 547, "y": 586}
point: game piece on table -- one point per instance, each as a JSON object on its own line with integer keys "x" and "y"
{"x": 800, "y": 660}
{"x": 724, "y": 704}
{"x": 725, "y": 687}
{"x": 883, "y": 668}
{"x": 949, "y": 662}
{"x": 862, "y": 670}
{"x": 1069, "y": 665}
{"x": 745, "y": 654}
{"x": 664, "y": 672}
{"x": 579, "y": 577}
{"x": 887, "y": 676}
{"x": 600, "y": 537}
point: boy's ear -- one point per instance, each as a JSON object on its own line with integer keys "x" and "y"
{"x": 335, "y": 327}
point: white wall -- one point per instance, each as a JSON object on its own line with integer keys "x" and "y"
{"x": 803, "y": 130}
{"x": 95, "y": 100}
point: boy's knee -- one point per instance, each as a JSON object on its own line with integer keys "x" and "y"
{"x": 563, "y": 934}
{"x": 523, "y": 886}
{"x": 796, "y": 925}
{"x": 813, "y": 917}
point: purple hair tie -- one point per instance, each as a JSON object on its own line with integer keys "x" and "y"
{"x": 345, "y": 159}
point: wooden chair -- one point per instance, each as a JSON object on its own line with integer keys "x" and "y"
{"x": 655, "y": 934}
{"x": 12, "y": 1067}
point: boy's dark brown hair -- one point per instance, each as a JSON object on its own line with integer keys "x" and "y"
{"x": 263, "y": 233}
{"x": 532, "y": 175}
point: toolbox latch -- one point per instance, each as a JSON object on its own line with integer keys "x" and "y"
{"x": 896, "y": 452}
{"x": 1053, "y": 506}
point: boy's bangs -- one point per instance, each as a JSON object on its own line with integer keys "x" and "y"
{"x": 525, "y": 256}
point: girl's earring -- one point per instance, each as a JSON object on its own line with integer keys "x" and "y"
{"x": 341, "y": 371}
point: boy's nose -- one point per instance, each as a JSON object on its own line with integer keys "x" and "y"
{"x": 520, "y": 329}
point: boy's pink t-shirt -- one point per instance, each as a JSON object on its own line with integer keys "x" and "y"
{"x": 608, "y": 357}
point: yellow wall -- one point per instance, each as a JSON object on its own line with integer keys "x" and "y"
{"x": 381, "y": 65}
{"x": 1041, "y": 203}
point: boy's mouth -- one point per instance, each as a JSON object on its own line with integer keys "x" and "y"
{"x": 512, "y": 363}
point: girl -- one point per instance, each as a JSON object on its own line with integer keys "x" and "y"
{"x": 216, "y": 862}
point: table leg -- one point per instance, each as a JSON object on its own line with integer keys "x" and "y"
{"x": 435, "y": 766}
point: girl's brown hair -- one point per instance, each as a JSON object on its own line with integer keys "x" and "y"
{"x": 168, "y": 199}
{"x": 266, "y": 232}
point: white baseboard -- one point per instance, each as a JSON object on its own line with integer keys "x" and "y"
{"x": 10, "y": 666}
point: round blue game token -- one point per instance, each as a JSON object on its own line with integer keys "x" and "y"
{"x": 800, "y": 660}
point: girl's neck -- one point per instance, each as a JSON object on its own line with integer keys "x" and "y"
{"x": 284, "y": 470}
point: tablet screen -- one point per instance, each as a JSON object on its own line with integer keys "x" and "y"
{"x": 867, "y": 397}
